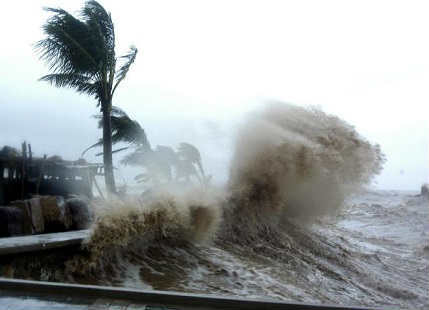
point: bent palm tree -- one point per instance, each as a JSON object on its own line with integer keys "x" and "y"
{"x": 161, "y": 162}
{"x": 81, "y": 55}
{"x": 190, "y": 153}
{"x": 158, "y": 163}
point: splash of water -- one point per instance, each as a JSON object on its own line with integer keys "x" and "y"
{"x": 289, "y": 162}
{"x": 298, "y": 161}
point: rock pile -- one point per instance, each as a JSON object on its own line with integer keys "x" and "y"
{"x": 44, "y": 214}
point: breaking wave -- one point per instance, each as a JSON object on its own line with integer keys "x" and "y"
{"x": 289, "y": 162}
{"x": 299, "y": 161}
{"x": 293, "y": 162}
{"x": 290, "y": 166}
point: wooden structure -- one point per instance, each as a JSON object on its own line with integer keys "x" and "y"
{"x": 22, "y": 175}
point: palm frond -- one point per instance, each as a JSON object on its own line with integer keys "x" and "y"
{"x": 124, "y": 129}
{"x": 117, "y": 111}
{"x": 127, "y": 130}
{"x": 114, "y": 151}
{"x": 69, "y": 46}
{"x": 123, "y": 70}
{"x": 73, "y": 80}
{"x": 100, "y": 22}
{"x": 99, "y": 143}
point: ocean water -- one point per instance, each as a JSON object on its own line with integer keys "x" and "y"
{"x": 375, "y": 251}
{"x": 295, "y": 221}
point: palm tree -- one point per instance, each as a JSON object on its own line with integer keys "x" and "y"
{"x": 161, "y": 162}
{"x": 81, "y": 55}
{"x": 190, "y": 154}
{"x": 158, "y": 163}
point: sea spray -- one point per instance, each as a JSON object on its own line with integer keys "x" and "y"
{"x": 294, "y": 162}
{"x": 134, "y": 224}
{"x": 290, "y": 163}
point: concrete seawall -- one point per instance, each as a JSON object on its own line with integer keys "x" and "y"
{"x": 46, "y": 295}
{"x": 35, "y": 243}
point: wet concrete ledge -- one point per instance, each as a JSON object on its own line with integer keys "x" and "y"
{"x": 71, "y": 296}
{"x": 35, "y": 243}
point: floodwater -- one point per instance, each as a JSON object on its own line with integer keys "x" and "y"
{"x": 374, "y": 252}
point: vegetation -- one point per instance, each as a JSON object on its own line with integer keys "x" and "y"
{"x": 81, "y": 55}
{"x": 164, "y": 164}
{"x": 124, "y": 130}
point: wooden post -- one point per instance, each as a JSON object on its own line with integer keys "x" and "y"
{"x": 98, "y": 188}
{"x": 24, "y": 168}
{"x": 41, "y": 174}
{"x": 30, "y": 153}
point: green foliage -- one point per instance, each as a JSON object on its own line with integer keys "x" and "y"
{"x": 81, "y": 52}
{"x": 124, "y": 129}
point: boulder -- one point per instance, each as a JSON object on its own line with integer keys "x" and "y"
{"x": 24, "y": 206}
{"x": 81, "y": 213}
{"x": 36, "y": 215}
{"x": 425, "y": 190}
{"x": 11, "y": 220}
{"x": 56, "y": 214}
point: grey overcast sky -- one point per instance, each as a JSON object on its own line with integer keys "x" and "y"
{"x": 203, "y": 64}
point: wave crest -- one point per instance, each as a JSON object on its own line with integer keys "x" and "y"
{"x": 293, "y": 161}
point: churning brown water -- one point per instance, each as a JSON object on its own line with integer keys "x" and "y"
{"x": 293, "y": 223}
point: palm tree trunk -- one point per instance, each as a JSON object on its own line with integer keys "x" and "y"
{"x": 107, "y": 148}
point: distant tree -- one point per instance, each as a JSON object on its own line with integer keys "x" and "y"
{"x": 81, "y": 55}
{"x": 158, "y": 163}
{"x": 162, "y": 163}
{"x": 190, "y": 155}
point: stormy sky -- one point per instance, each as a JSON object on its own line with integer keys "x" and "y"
{"x": 202, "y": 65}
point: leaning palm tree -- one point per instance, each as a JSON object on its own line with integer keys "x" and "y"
{"x": 189, "y": 153}
{"x": 81, "y": 55}
{"x": 161, "y": 162}
{"x": 158, "y": 163}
